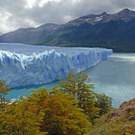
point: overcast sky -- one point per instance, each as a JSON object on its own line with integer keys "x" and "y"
{"x": 30, "y": 13}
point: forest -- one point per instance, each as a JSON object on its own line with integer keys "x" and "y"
{"x": 70, "y": 108}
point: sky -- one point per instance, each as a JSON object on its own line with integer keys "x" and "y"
{"x": 16, "y": 14}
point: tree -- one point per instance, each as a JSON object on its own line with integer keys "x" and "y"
{"x": 62, "y": 115}
{"x": 3, "y": 91}
{"x": 69, "y": 109}
{"x": 120, "y": 121}
{"x": 76, "y": 86}
{"x": 3, "y": 87}
{"x": 17, "y": 119}
{"x": 104, "y": 103}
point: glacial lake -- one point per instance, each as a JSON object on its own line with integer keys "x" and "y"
{"x": 114, "y": 77}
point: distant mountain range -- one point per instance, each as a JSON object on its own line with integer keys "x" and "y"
{"x": 116, "y": 31}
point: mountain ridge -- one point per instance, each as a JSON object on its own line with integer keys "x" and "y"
{"x": 114, "y": 31}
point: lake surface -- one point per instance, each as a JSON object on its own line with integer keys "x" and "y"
{"x": 114, "y": 77}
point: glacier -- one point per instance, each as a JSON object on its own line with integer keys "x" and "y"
{"x": 51, "y": 64}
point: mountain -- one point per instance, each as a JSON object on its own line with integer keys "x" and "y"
{"x": 119, "y": 122}
{"x": 115, "y": 31}
{"x": 29, "y": 35}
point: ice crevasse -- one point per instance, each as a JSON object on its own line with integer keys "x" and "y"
{"x": 47, "y": 66}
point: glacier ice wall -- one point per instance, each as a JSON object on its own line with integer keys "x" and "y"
{"x": 39, "y": 68}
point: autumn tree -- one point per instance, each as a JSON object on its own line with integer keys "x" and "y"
{"x": 62, "y": 114}
{"x": 17, "y": 119}
{"x": 76, "y": 86}
{"x": 69, "y": 109}
{"x": 3, "y": 91}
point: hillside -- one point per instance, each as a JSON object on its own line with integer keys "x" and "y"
{"x": 116, "y": 31}
{"x": 71, "y": 108}
{"x": 119, "y": 122}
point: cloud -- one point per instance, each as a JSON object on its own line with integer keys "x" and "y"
{"x": 30, "y": 13}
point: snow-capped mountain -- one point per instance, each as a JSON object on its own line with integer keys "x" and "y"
{"x": 124, "y": 15}
{"x": 115, "y": 31}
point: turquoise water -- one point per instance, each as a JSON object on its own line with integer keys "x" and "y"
{"x": 114, "y": 77}
{"x": 20, "y": 92}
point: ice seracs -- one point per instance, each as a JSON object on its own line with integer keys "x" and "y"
{"x": 44, "y": 67}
